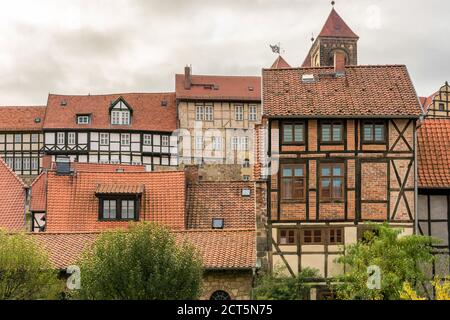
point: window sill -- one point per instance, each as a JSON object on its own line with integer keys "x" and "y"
{"x": 118, "y": 220}
{"x": 339, "y": 143}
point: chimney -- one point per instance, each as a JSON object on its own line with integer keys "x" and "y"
{"x": 187, "y": 78}
{"x": 339, "y": 63}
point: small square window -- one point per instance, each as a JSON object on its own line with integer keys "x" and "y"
{"x": 18, "y": 138}
{"x": 312, "y": 236}
{"x": 218, "y": 223}
{"x": 287, "y": 237}
{"x": 83, "y": 119}
{"x": 246, "y": 192}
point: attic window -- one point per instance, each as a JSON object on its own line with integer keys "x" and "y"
{"x": 246, "y": 192}
{"x": 164, "y": 103}
{"x": 218, "y": 223}
{"x": 216, "y": 87}
{"x": 208, "y": 87}
{"x": 308, "y": 78}
{"x": 251, "y": 89}
{"x": 37, "y": 120}
{"x": 63, "y": 103}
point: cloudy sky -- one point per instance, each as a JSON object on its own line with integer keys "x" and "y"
{"x": 101, "y": 46}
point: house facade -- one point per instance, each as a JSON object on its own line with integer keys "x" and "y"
{"x": 341, "y": 152}
{"x": 216, "y": 116}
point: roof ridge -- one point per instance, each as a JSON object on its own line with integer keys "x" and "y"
{"x": 112, "y": 94}
{"x": 24, "y": 106}
{"x": 224, "y": 76}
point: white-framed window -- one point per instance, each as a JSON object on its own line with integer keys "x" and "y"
{"x": 147, "y": 139}
{"x": 83, "y": 119}
{"x": 235, "y": 143}
{"x": 34, "y": 163}
{"x": 125, "y": 139}
{"x": 244, "y": 144}
{"x": 239, "y": 112}
{"x": 115, "y": 117}
{"x": 216, "y": 143}
{"x": 10, "y": 162}
{"x": 18, "y": 164}
{"x": 71, "y": 138}
{"x": 252, "y": 114}
{"x": 104, "y": 138}
{"x": 26, "y": 163}
{"x": 165, "y": 141}
{"x": 125, "y": 118}
{"x": 35, "y": 138}
{"x": 198, "y": 143}
{"x": 209, "y": 112}
{"x": 60, "y": 138}
{"x": 18, "y": 138}
{"x": 199, "y": 112}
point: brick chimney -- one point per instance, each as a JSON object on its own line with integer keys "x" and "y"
{"x": 339, "y": 62}
{"x": 187, "y": 78}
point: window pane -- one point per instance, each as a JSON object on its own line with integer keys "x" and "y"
{"x": 379, "y": 132}
{"x": 326, "y": 171}
{"x": 337, "y": 188}
{"x": 326, "y": 132}
{"x": 299, "y": 172}
{"x": 337, "y": 132}
{"x": 112, "y": 209}
{"x": 106, "y": 209}
{"x": 325, "y": 188}
{"x": 298, "y": 133}
{"x": 317, "y": 236}
{"x": 287, "y": 172}
{"x": 337, "y": 171}
{"x": 287, "y": 133}
{"x": 286, "y": 188}
{"x": 368, "y": 132}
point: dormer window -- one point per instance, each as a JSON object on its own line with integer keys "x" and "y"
{"x": 83, "y": 119}
{"x": 120, "y": 113}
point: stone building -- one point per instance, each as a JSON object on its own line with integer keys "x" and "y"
{"x": 216, "y": 116}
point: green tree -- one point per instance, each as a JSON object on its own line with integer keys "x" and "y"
{"x": 143, "y": 263}
{"x": 25, "y": 270}
{"x": 279, "y": 286}
{"x": 400, "y": 259}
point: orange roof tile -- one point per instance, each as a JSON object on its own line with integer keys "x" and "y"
{"x": 364, "y": 91}
{"x": 72, "y": 205}
{"x": 22, "y": 118}
{"x": 433, "y": 139}
{"x": 12, "y": 200}
{"x": 336, "y": 27}
{"x": 38, "y": 199}
{"x": 120, "y": 189}
{"x": 100, "y": 167}
{"x": 237, "y": 88}
{"x": 280, "y": 63}
{"x": 208, "y": 200}
{"x": 148, "y": 112}
{"x": 227, "y": 249}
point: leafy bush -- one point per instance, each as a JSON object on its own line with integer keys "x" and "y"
{"x": 25, "y": 270}
{"x": 144, "y": 263}
{"x": 278, "y": 286}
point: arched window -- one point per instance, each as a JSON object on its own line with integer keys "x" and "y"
{"x": 220, "y": 295}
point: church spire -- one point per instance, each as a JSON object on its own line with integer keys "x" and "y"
{"x": 336, "y": 27}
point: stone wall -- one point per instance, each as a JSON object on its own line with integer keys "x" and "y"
{"x": 238, "y": 284}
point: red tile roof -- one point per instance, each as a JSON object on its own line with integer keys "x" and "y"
{"x": 22, "y": 118}
{"x": 228, "y": 249}
{"x": 72, "y": 205}
{"x": 12, "y": 200}
{"x": 336, "y": 27}
{"x": 433, "y": 138}
{"x": 280, "y": 63}
{"x": 38, "y": 199}
{"x": 100, "y": 167}
{"x": 237, "y": 88}
{"x": 381, "y": 91}
{"x": 120, "y": 189}
{"x": 148, "y": 113}
{"x": 208, "y": 200}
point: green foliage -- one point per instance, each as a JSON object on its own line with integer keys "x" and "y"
{"x": 279, "y": 286}
{"x": 144, "y": 263}
{"x": 25, "y": 271}
{"x": 400, "y": 259}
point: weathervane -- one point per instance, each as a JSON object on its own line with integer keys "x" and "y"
{"x": 333, "y": 3}
{"x": 276, "y": 48}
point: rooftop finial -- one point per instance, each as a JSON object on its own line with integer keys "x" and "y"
{"x": 312, "y": 37}
{"x": 333, "y": 3}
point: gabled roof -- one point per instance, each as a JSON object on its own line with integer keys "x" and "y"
{"x": 336, "y": 27}
{"x": 280, "y": 63}
{"x": 148, "y": 112}
{"x": 433, "y": 138}
{"x": 217, "y": 88}
{"x": 208, "y": 200}
{"x": 72, "y": 205}
{"x": 228, "y": 249}
{"x": 12, "y": 201}
{"x": 364, "y": 91}
{"x": 22, "y": 118}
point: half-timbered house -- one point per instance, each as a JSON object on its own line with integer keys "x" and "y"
{"x": 118, "y": 129}
{"x": 216, "y": 116}
{"x": 341, "y": 145}
{"x": 21, "y": 139}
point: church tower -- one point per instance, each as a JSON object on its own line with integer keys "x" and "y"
{"x": 335, "y": 36}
